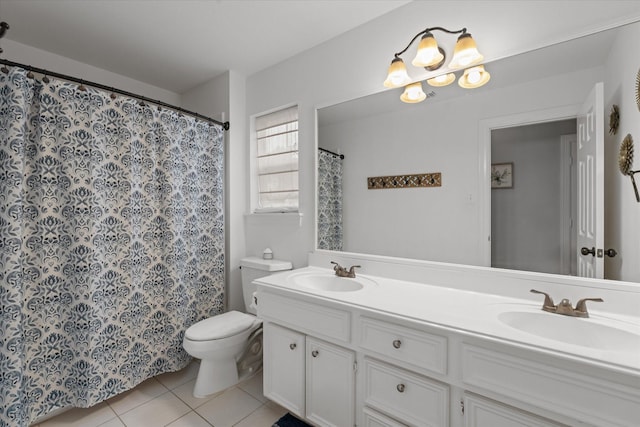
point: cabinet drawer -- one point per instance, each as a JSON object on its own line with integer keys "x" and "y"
{"x": 313, "y": 319}
{"x": 418, "y": 348}
{"x": 405, "y": 396}
{"x": 571, "y": 393}
{"x": 374, "y": 419}
{"x": 481, "y": 412}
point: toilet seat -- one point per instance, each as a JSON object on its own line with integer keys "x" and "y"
{"x": 220, "y": 326}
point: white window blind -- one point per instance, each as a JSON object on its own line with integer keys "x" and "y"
{"x": 277, "y": 160}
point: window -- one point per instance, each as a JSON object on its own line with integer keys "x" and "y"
{"x": 276, "y": 161}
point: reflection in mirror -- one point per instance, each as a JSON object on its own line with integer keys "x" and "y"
{"x": 381, "y": 136}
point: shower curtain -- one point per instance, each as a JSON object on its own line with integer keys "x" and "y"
{"x": 111, "y": 242}
{"x": 329, "y": 201}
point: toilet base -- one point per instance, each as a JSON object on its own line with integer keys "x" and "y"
{"x": 215, "y": 376}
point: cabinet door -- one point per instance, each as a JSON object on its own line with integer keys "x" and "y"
{"x": 330, "y": 384}
{"x": 283, "y": 372}
{"x": 481, "y": 412}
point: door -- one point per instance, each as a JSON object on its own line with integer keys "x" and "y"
{"x": 283, "y": 372}
{"x": 590, "y": 160}
{"x": 330, "y": 384}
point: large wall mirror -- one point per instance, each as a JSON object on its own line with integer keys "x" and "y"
{"x": 531, "y": 220}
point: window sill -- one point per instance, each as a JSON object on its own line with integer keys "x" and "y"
{"x": 274, "y": 218}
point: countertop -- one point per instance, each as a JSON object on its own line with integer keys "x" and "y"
{"x": 479, "y": 314}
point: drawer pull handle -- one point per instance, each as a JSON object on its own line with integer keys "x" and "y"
{"x": 292, "y": 346}
{"x": 400, "y": 388}
{"x": 397, "y": 343}
{"x": 314, "y": 353}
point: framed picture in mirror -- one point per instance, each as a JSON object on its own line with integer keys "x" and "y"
{"x": 502, "y": 175}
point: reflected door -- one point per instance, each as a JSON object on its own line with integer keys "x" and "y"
{"x": 590, "y": 161}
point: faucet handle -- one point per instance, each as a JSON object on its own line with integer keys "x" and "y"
{"x": 581, "y": 306}
{"x": 548, "y": 301}
{"x": 336, "y": 265}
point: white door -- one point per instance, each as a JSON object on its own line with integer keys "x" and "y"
{"x": 590, "y": 153}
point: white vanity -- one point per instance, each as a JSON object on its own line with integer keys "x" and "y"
{"x": 424, "y": 344}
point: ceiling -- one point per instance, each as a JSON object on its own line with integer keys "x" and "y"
{"x": 179, "y": 44}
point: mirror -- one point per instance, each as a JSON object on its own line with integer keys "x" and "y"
{"x": 379, "y": 136}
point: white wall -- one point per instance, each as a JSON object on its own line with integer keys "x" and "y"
{"x": 24, "y": 54}
{"x": 622, "y": 212}
{"x": 354, "y": 65}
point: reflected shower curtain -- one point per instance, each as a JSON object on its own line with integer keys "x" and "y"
{"x": 329, "y": 201}
{"x": 112, "y": 244}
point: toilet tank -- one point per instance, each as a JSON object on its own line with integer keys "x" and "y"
{"x": 253, "y": 268}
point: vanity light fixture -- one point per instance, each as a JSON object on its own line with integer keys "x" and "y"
{"x": 442, "y": 80}
{"x": 474, "y": 77}
{"x": 432, "y": 57}
{"x": 413, "y": 93}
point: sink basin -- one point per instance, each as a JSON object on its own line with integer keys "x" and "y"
{"x": 573, "y": 330}
{"x": 330, "y": 282}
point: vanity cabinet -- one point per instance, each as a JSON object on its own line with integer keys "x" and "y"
{"x": 343, "y": 364}
{"x": 312, "y": 378}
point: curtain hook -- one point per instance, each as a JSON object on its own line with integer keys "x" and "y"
{"x": 4, "y": 69}
{"x": 46, "y": 79}
{"x": 30, "y": 75}
{"x": 82, "y": 87}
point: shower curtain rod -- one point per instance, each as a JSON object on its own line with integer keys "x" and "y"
{"x": 225, "y": 125}
{"x": 331, "y": 152}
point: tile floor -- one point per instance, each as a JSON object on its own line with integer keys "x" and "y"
{"x": 166, "y": 400}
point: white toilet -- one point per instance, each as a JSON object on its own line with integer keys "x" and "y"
{"x": 229, "y": 345}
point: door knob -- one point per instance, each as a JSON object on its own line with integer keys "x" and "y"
{"x": 586, "y": 251}
{"x": 610, "y": 253}
{"x": 314, "y": 353}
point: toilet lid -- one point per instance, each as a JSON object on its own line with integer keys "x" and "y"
{"x": 220, "y": 326}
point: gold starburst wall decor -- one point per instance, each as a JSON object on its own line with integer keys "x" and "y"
{"x": 625, "y": 157}
{"x": 614, "y": 120}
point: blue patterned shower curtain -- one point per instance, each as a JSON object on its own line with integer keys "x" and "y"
{"x": 329, "y": 201}
{"x": 111, "y": 242}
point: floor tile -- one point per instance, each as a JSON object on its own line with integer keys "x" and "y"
{"x": 156, "y": 413}
{"x": 143, "y": 393}
{"x": 253, "y": 386}
{"x": 113, "y": 423}
{"x": 185, "y": 393}
{"x": 264, "y": 416}
{"x": 229, "y": 407}
{"x": 82, "y": 417}
{"x": 172, "y": 380}
{"x": 192, "y": 419}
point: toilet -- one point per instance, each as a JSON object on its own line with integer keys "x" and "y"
{"x": 229, "y": 345}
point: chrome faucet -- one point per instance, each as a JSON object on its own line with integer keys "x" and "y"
{"x": 343, "y": 272}
{"x": 565, "y": 308}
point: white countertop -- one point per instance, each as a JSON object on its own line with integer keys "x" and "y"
{"x": 472, "y": 312}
